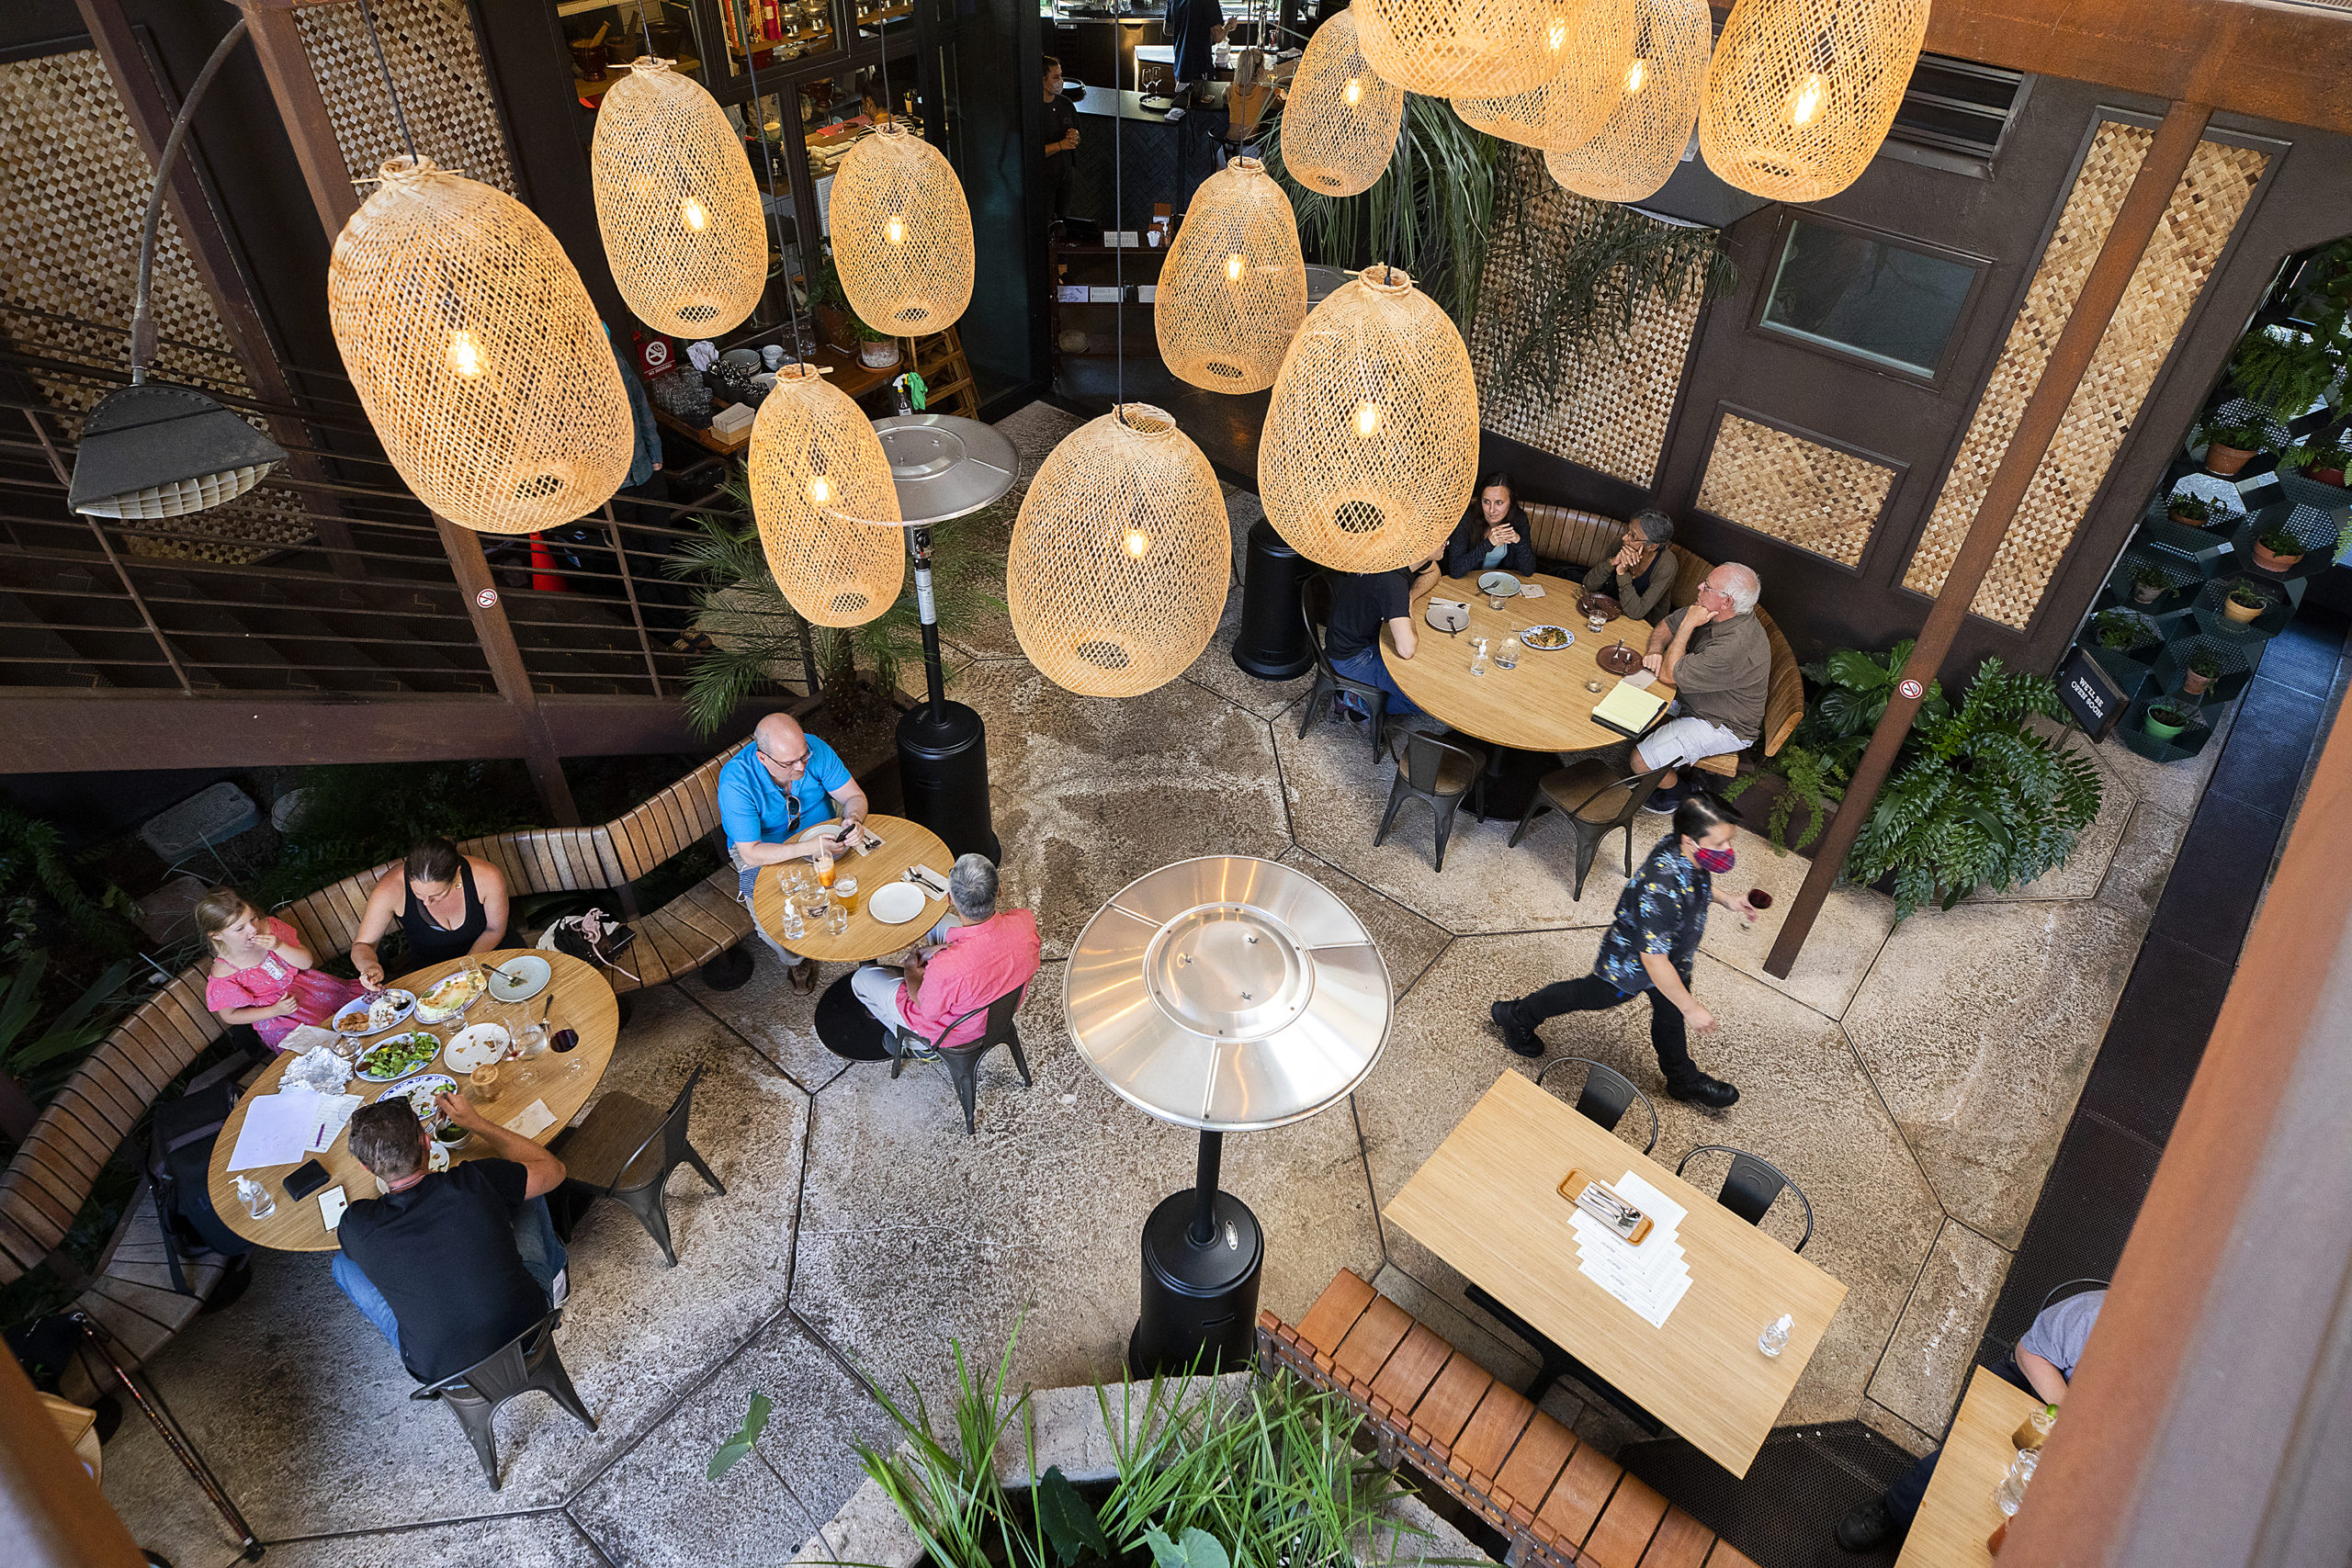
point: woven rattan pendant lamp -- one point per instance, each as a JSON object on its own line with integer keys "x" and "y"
{"x": 1234, "y": 288}
{"x": 820, "y": 485}
{"x": 1590, "y": 51}
{"x": 902, "y": 234}
{"x": 1371, "y": 443}
{"x": 477, "y": 352}
{"x": 1462, "y": 49}
{"x": 1121, "y": 557}
{"x": 1802, "y": 91}
{"x": 674, "y": 200}
{"x": 1652, "y": 104}
{"x": 1340, "y": 122}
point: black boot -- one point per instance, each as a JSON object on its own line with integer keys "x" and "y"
{"x": 1517, "y": 1036}
{"x": 1711, "y": 1093}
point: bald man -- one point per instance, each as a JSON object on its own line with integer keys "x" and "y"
{"x": 1720, "y": 663}
{"x": 783, "y": 783}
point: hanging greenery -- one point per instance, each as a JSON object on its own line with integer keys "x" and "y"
{"x": 1439, "y": 195}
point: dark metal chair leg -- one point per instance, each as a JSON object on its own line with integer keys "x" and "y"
{"x": 1588, "y": 847}
{"x": 961, "y": 1072}
{"x": 1379, "y": 723}
{"x": 1398, "y": 792}
{"x": 646, "y": 1204}
{"x": 1535, "y": 803}
{"x": 1314, "y": 705}
{"x": 1020, "y": 1062}
{"x": 695, "y": 1160}
{"x": 553, "y": 1380}
{"x": 474, "y": 1415}
{"x": 1444, "y": 814}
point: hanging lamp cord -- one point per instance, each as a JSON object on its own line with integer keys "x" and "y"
{"x": 1118, "y": 236}
{"x": 143, "y": 320}
{"x": 768, "y": 163}
{"x": 376, "y": 40}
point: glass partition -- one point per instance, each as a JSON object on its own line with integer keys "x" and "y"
{"x": 1867, "y": 297}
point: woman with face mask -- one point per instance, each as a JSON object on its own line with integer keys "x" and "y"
{"x": 1649, "y": 949}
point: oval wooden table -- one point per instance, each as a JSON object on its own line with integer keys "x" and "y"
{"x": 904, "y": 844}
{"x": 576, "y": 997}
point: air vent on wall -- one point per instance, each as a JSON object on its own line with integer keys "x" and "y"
{"x": 1958, "y": 106}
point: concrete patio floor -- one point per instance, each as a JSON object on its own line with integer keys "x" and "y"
{"x": 1914, "y": 1080}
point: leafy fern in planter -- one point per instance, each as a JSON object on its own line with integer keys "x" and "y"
{"x": 1852, "y": 690}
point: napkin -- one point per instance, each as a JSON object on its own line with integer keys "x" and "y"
{"x": 532, "y": 1119}
{"x": 316, "y": 1069}
{"x": 1642, "y": 680}
{"x": 1530, "y": 590}
{"x": 702, "y": 356}
{"x": 307, "y": 1038}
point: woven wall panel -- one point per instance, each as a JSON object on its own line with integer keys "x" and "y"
{"x": 2204, "y": 209}
{"x": 1795, "y": 491}
{"x": 1615, "y": 402}
{"x": 73, "y": 186}
{"x": 437, "y": 66}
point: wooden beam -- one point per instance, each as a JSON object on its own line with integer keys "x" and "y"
{"x": 51, "y": 1514}
{"x": 2119, "y": 257}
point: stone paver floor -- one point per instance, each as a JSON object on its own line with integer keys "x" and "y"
{"x": 1914, "y": 1080}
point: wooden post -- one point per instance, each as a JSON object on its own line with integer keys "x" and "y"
{"x": 2135, "y": 224}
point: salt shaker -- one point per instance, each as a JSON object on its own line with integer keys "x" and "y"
{"x": 1775, "y": 1337}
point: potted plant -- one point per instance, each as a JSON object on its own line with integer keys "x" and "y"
{"x": 2231, "y": 445}
{"x": 2165, "y": 721}
{"x": 2277, "y": 550}
{"x": 2120, "y": 632}
{"x": 2284, "y": 371}
{"x": 2189, "y": 511}
{"x": 2148, "y": 584}
{"x": 2244, "y": 601}
{"x": 2322, "y": 463}
{"x": 836, "y": 322}
{"x": 2204, "y": 668}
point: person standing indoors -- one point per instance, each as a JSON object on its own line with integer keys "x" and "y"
{"x": 449, "y": 905}
{"x": 1492, "y": 534}
{"x": 1719, "y": 662}
{"x": 1197, "y": 27}
{"x": 1061, "y": 140}
{"x": 1649, "y": 951}
{"x": 783, "y": 783}
{"x": 1361, "y": 603}
{"x": 1640, "y": 576}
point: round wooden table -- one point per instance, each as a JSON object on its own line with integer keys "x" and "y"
{"x": 904, "y": 844}
{"x": 576, "y": 997}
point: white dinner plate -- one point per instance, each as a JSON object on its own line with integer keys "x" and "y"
{"x": 475, "y": 1046}
{"x": 520, "y": 979}
{"x": 896, "y": 903}
{"x": 1499, "y": 582}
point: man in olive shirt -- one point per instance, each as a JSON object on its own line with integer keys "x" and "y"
{"x": 1720, "y": 663}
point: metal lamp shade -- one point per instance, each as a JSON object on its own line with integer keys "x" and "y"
{"x": 1121, "y": 557}
{"x": 1340, "y": 122}
{"x": 1233, "y": 290}
{"x": 945, "y": 466}
{"x": 1800, "y": 93}
{"x": 903, "y": 235}
{"x": 675, "y": 203}
{"x": 1654, "y": 104}
{"x": 1464, "y": 48}
{"x": 1228, "y": 994}
{"x": 155, "y": 450}
{"x": 477, "y": 353}
{"x": 1371, "y": 443}
{"x": 818, "y": 479}
{"x": 1589, "y": 54}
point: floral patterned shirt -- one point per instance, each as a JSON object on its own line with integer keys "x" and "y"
{"x": 1663, "y": 910}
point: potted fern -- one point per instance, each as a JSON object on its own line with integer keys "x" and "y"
{"x": 2277, "y": 550}
{"x": 2284, "y": 371}
{"x": 2119, "y": 631}
{"x": 2244, "y": 601}
{"x": 2164, "y": 722}
{"x": 2202, "y": 669}
{"x": 2231, "y": 445}
{"x": 2148, "y": 584}
{"x": 2325, "y": 465}
{"x": 2189, "y": 511}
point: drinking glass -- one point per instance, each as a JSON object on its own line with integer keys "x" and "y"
{"x": 1775, "y": 1337}
{"x": 837, "y": 920}
{"x": 1507, "y": 654}
{"x": 845, "y": 893}
{"x": 2010, "y": 1495}
{"x": 481, "y": 1084}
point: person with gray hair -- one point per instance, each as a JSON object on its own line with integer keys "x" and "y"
{"x": 1719, "y": 662}
{"x": 1640, "y": 576}
{"x": 940, "y": 991}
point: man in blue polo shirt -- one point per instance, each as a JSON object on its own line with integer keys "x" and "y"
{"x": 783, "y": 783}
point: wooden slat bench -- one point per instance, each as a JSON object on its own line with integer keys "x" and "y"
{"x": 1558, "y": 1501}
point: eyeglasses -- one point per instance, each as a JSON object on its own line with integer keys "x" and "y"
{"x": 799, "y": 762}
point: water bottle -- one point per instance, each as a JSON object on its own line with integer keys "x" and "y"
{"x": 1775, "y": 1337}
{"x": 1478, "y": 657}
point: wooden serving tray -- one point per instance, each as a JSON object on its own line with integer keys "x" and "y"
{"x": 1576, "y": 1183}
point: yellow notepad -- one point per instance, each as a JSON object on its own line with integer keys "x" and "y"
{"x": 1629, "y": 710}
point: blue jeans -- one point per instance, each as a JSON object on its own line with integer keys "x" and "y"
{"x": 1903, "y": 1497}
{"x": 1365, "y": 665}
{"x": 535, "y": 1239}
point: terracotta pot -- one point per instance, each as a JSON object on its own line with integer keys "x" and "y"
{"x": 2225, "y": 460}
{"x": 2189, "y": 522}
{"x": 2270, "y": 561}
{"x": 832, "y": 326}
{"x": 2240, "y": 612}
{"x": 2193, "y": 685}
{"x": 2328, "y": 477}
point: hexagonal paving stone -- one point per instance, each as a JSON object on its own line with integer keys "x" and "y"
{"x": 1933, "y": 1352}
{"x": 1215, "y": 669}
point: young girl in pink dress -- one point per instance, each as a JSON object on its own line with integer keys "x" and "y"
{"x": 262, "y": 974}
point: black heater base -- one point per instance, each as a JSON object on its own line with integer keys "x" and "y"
{"x": 943, "y": 775}
{"x": 1199, "y": 1302}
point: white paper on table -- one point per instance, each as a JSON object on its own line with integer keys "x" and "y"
{"x": 1642, "y": 680}
{"x": 532, "y": 1119}
{"x": 335, "y": 1111}
{"x": 278, "y": 1129}
{"x": 1530, "y": 590}
{"x": 1651, "y": 1201}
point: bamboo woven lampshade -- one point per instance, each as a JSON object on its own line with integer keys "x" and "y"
{"x": 1589, "y": 54}
{"x": 1802, "y": 91}
{"x": 1340, "y": 125}
{"x": 903, "y": 235}
{"x": 477, "y": 353}
{"x": 1234, "y": 288}
{"x": 819, "y": 483}
{"x": 1462, "y": 49}
{"x": 1653, "y": 102}
{"x": 1371, "y": 444}
{"x": 1121, "y": 557}
{"x": 674, "y": 200}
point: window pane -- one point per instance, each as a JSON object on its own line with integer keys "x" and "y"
{"x": 1886, "y": 304}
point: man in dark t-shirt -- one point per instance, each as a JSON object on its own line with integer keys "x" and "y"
{"x": 1362, "y": 602}
{"x": 1061, "y": 140}
{"x": 450, "y": 1265}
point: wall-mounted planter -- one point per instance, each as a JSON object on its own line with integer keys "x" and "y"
{"x": 2181, "y": 578}
{"x": 2236, "y": 656}
{"x": 2212, "y": 620}
{"x": 2306, "y": 490}
{"x": 2133, "y": 732}
{"x": 2314, "y": 530}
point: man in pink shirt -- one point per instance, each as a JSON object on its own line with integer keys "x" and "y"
{"x": 966, "y": 962}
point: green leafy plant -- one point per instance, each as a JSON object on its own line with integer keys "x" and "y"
{"x": 2306, "y": 454}
{"x": 2280, "y": 542}
{"x": 2203, "y": 662}
{"x": 2188, "y": 508}
{"x": 1850, "y": 691}
{"x": 2283, "y": 371}
{"x": 825, "y": 290}
{"x": 737, "y": 1449}
{"x": 2121, "y": 631}
{"x": 2165, "y": 713}
{"x": 38, "y": 876}
{"x": 2148, "y": 583}
{"x": 81, "y": 1024}
{"x": 355, "y": 815}
{"x": 2246, "y": 435}
{"x": 1982, "y": 800}
{"x": 2244, "y": 590}
{"x": 1436, "y": 200}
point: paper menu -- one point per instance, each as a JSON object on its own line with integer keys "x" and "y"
{"x": 285, "y": 1127}
{"x": 1652, "y": 1278}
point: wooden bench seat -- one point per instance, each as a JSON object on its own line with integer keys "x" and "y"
{"x": 1484, "y": 1442}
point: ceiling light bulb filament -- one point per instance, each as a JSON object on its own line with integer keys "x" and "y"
{"x": 895, "y": 230}
{"x": 1367, "y": 419}
{"x": 820, "y": 491}
{"x": 1137, "y": 542}
{"x": 697, "y": 219}
{"x": 464, "y": 358}
{"x": 1804, "y": 105}
{"x": 1353, "y": 94}
{"x": 1233, "y": 267}
{"x": 1636, "y": 74}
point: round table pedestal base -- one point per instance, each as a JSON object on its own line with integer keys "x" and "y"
{"x": 1200, "y": 1303}
{"x": 846, "y": 1029}
{"x": 1512, "y": 777}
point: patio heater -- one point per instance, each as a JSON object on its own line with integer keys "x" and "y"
{"x": 1226, "y": 993}
{"x": 944, "y": 467}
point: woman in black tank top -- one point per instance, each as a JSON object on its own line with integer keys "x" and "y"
{"x": 429, "y": 941}
{"x": 470, "y": 896}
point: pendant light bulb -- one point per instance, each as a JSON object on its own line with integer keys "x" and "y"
{"x": 1805, "y": 104}
{"x": 1587, "y": 78}
{"x": 1636, "y": 74}
{"x": 1234, "y": 287}
{"x": 1367, "y": 421}
{"x": 681, "y": 218}
{"x": 1340, "y": 123}
{"x": 1801, "y": 94}
{"x": 465, "y": 355}
{"x": 1353, "y": 94}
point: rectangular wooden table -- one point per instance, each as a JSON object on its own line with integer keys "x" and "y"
{"x": 1957, "y": 1516}
{"x": 1487, "y": 1202}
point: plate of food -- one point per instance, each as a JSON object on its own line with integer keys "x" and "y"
{"x": 419, "y": 1093}
{"x": 474, "y": 1047}
{"x": 450, "y": 994}
{"x": 1549, "y": 638}
{"x": 396, "y": 1055}
{"x": 1501, "y": 584}
{"x": 520, "y": 979}
{"x": 375, "y": 1013}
